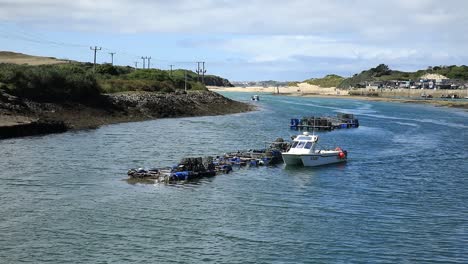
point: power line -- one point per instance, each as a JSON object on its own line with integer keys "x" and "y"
{"x": 22, "y": 34}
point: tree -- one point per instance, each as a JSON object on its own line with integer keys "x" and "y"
{"x": 381, "y": 70}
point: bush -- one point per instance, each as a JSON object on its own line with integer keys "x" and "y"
{"x": 108, "y": 70}
{"x": 331, "y": 80}
{"x": 196, "y": 86}
{"x": 49, "y": 82}
{"x": 78, "y": 82}
{"x": 149, "y": 74}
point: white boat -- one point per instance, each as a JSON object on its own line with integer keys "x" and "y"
{"x": 303, "y": 152}
{"x": 255, "y": 98}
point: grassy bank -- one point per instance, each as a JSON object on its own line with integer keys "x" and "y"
{"x": 78, "y": 82}
{"x": 57, "y": 97}
{"x": 328, "y": 81}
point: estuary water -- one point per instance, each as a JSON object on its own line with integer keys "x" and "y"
{"x": 401, "y": 198}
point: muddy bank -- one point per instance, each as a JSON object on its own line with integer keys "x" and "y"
{"x": 32, "y": 128}
{"x": 21, "y": 117}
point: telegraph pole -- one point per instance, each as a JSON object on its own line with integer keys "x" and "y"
{"x": 203, "y": 73}
{"x": 144, "y": 60}
{"x": 171, "y": 68}
{"x": 149, "y": 60}
{"x": 198, "y": 71}
{"x": 112, "y": 57}
{"x": 136, "y": 65}
{"x": 185, "y": 77}
{"x": 95, "y": 51}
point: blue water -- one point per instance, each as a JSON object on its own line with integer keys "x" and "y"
{"x": 401, "y": 198}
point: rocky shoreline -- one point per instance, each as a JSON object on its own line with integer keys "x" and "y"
{"x": 22, "y": 117}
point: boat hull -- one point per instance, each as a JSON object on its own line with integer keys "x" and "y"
{"x": 313, "y": 160}
{"x": 292, "y": 159}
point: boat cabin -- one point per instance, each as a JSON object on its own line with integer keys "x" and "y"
{"x": 303, "y": 144}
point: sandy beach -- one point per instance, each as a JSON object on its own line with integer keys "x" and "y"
{"x": 307, "y": 90}
{"x": 301, "y": 89}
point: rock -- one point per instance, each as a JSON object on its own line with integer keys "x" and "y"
{"x": 114, "y": 108}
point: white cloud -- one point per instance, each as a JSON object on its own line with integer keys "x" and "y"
{"x": 333, "y": 33}
{"x": 287, "y": 48}
{"x": 364, "y": 17}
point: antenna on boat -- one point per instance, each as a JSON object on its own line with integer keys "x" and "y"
{"x": 313, "y": 128}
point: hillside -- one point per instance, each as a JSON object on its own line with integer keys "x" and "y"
{"x": 210, "y": 80}
{"x": 51, "y": 96}
{"x": 107, "y": 71}
{"x": 331, "y": 80}
{"x": 52, "y": 80}
{"x": 383, "y": 73}
{"x": 19, "y": 58}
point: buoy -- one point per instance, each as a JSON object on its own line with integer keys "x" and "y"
{"x": 341, "y": 155}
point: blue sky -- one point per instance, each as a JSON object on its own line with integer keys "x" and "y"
{"x": 244, "y": 39}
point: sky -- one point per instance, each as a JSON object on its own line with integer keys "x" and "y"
{"x": 242, "y": 40}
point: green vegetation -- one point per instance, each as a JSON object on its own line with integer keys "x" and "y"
{"x": 380, "y": 73}
{"x": 49, "y": 82}
{"x": 452, "y": 72}
{"x": 77, "y": 82}
{"x": 331, "y": 80}
{"x": 383, "y": 73}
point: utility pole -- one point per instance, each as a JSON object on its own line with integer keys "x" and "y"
{"x": 149, "y": 60}
{"x": 136, "y": 65}
{"x": 95, "y": 51}
{"x": 144, "y": 60}
{"x": 198, "y": 71}
{"x": 112, "y": 57}
{"x": 171, "y": 68}
{"x": 203, "y": 73}
{"x": 185, "y": 77}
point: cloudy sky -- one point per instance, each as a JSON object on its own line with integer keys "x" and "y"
{"x": 244, "y": 39}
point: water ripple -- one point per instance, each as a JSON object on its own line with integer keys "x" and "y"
{"x": 401, "y": 198}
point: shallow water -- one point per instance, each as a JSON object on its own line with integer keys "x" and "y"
{"x": 401, "y": 198}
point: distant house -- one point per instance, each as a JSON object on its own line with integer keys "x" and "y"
{"x": 426, "y": 84}
{"x": 374, "y": 85}
{"x": 443, "y": 84}
{"x": 404, "y": 84}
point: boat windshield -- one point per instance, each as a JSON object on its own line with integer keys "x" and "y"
{"x": 308, "y": 145}
{"x": 301, "y": 144}
{"x": 294, "y": 144}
